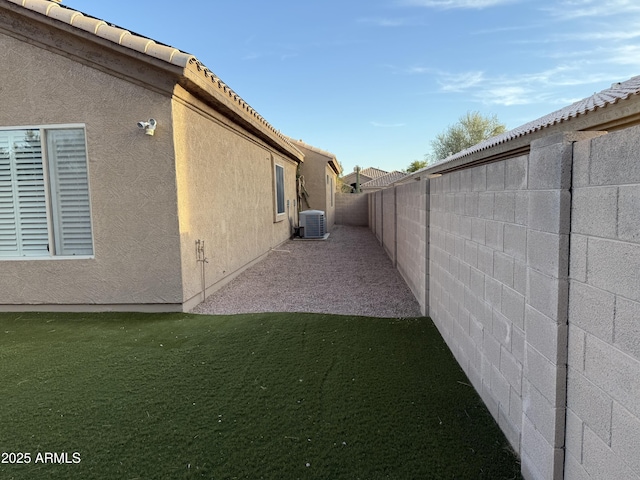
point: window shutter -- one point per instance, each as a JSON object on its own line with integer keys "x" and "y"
{"x": 27, "y": 210}
{"x": 70, "y": 191}
{"x": 8, "y": 229}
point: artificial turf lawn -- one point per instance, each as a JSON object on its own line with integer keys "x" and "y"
{"x": 282, "y": 396}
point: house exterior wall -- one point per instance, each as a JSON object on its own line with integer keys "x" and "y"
{"x": 331, "y": 180}
{"x": 351, "y": 178}
{"x": 225, "y": 184}
{"x": 131, "y": 176}
{"x": 320, "y": 183}
{"x": 603, "y": 389}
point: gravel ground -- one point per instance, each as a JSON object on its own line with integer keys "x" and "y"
{"x": 347, "y": 274}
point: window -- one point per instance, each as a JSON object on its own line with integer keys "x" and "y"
{"x": 279, "y": 190}
{"x": 332, "y": 191}
{"x": 44, "y": 193}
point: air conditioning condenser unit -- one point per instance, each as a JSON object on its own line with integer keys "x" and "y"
{"x": 313, "y": 224}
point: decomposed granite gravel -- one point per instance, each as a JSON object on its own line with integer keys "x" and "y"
{"x": 349, "y": 273}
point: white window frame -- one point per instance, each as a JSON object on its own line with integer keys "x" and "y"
{"x": 332, "y": 192}
{"x": 279, "y": 215}
{"x": 52, "y": 231}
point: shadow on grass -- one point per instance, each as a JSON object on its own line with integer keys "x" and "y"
{"x": 245, "y": 396}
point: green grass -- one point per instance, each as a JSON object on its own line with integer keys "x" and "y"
{"x": 274, "y": 396}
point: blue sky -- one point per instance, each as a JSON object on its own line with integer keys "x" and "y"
{"x": 374, "y": 81}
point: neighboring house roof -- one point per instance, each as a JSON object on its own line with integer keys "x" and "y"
{"x": 384, "y": 180}
{"x": 371, "y": 172}
{"x": 119, "y": 36}
{"x": 586, "y": 107}
{"x": 333, "y": 161}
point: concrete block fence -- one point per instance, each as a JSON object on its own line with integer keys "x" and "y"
{"x": 352, "y": 209}
{"x": 530, "y": 268}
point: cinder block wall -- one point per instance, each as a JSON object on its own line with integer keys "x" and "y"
{"x": 499, "y": 294}
{"x": 378, "y": 212}
{"x": 389, "y": 222}
{"x": 478, "y": 280}
{"x": 412, "y": 238}
{"x": 532, "y": 273}
{"x": 352, "y": 209}
{"x": 603, "y": 390}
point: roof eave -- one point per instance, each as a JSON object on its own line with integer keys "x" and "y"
{"x": 335, "y": 166}
{"x": 94, "y": 46}
{"x": 201, "y": 82}
{"x": 177, "y": 67}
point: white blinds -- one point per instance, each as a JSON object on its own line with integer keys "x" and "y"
{"x": 69, "y": 192}
{"x": 31, "y": 224}
{"x": 23, "y": 216}
{"x": 8, "y": 227}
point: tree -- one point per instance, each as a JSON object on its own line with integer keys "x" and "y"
{"x": 472, "y": 128}
{"x": 416, "y": 165}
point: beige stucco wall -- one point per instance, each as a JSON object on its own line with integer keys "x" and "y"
{"x": 225, "y": 195}
{"x": 131, "y": 176}
{"x": 331, "y": 178}
{"x": 320, "y": 182}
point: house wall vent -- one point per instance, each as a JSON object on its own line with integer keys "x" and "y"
{"x": 313, "y": 224}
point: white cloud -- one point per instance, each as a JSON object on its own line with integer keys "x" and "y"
{"x": 510, "y": 28}
{"x": 616, "y": 35}
{"x": 572, "y": 9}
{"x": 451, "y": 4}
{"x": 458, "y": 82}
{"x": 506, "y": 95}
{"x": 545, "y": 86}
{"x": 625, "y": 55}
{"x": 418, "y": 70}
{"x": 414, "y": 70}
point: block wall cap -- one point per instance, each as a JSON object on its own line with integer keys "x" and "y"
{"x": 586, "y": 108}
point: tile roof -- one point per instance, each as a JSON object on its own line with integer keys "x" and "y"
{"x": 370, "y": 172}
{"x": 100, "y": 28}
{"x": 147, "y": 46}
{"x": 610, "y": 96}
{"x": 333, "y": 160}
{"x": 373, "y": 173}
{"x": 384, "y": 180}
{"x": 311, "y": 147}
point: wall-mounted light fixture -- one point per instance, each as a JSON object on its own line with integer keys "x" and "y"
{"x": 148, "y": 126}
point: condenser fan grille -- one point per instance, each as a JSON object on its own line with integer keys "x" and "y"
{"x": 313, "y": 224}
